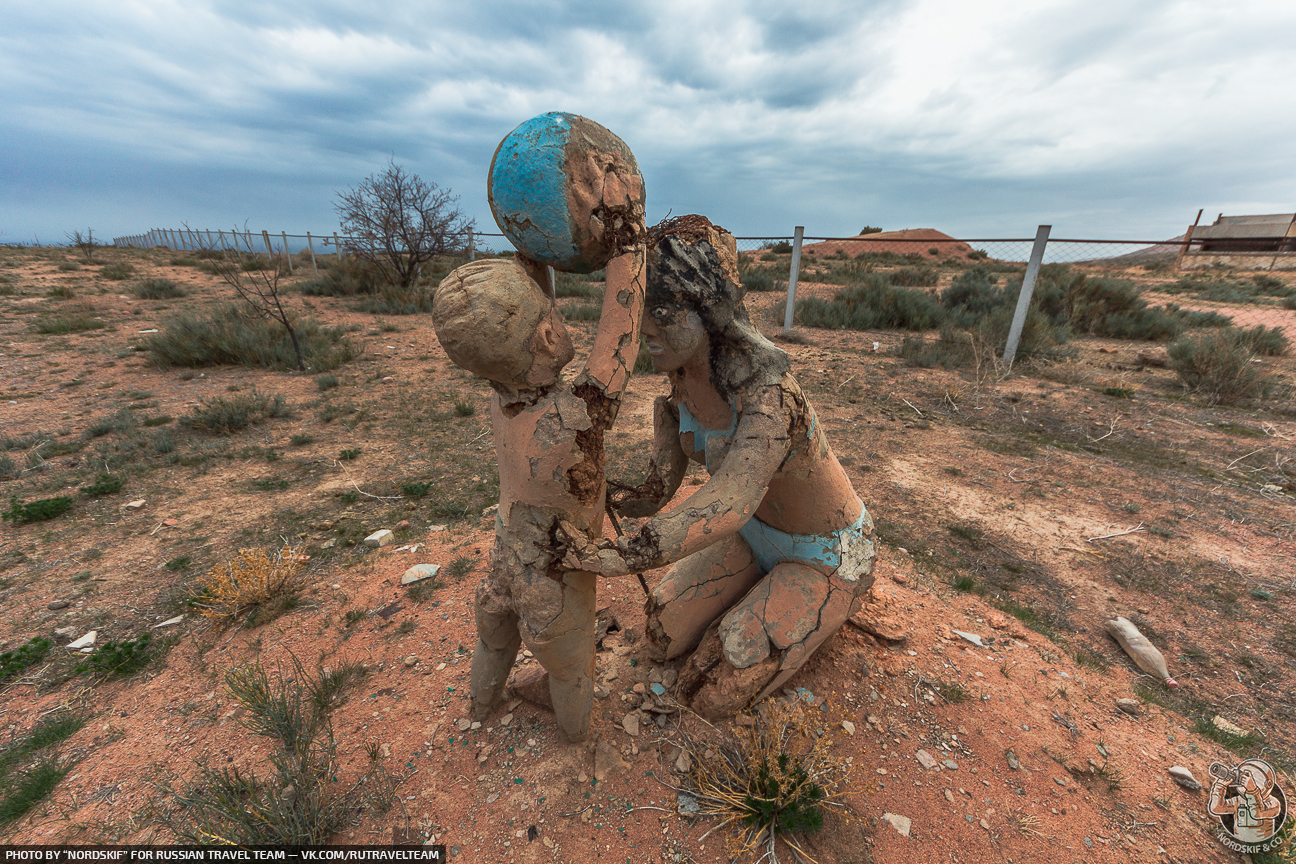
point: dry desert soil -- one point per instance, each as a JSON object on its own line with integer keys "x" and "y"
{"x": 1026, "y": 509}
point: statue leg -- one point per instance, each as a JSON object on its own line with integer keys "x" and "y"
{"x": 497, "y": 646}
{"x": 564, "y": 645}
{"x": 695, "y": 592}
{"x": 765, "y": 638}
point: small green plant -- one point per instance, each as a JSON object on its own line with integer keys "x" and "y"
{"x": 349, "y": 497}
{"x": 969, "y": 533}
{"x": 771, "y": 780}
{"x": 1118, "y": 392}
{"x": 75, "y": 318}
{"x": 36, "y": 511}
{"x": 229, "y": 337}
{"x": 181, "y": 563}
{"x": 62, "y": 292}
{"x": 464, "y": 409}
{"x": 69, "y": 265}
{"x": 106, "y": 484}
{"x": 327, "y": 381}
{"x": 160, "y": 420}
{"x": 117, "y": 272}
{"x": 28, "y": 654}
{"x": 952, "y": 691}
{"x": 354, "y": 616}
{"x": 417, "y": 489}
{"x": 348, "y": 455}
{"x": 1089, "y": 659}
{"x": 270, "y": 484}
{"x": 302, "y": 439}
{"x": 118, "y": 658}
{"x": 423, "y": 590}
{"x": 460, "y": 567}
{"x": 225, "y": 415}
{"x": 964, "y": 583}
{"x": 299, "y": 805}
{"x": 158, "y": 289}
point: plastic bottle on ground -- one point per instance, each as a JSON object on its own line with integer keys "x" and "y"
{"x": 1144, "y": 654}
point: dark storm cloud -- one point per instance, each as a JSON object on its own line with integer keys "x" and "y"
{"x": 1108, "y": 118}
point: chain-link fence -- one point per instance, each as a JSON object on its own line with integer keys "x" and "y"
{"x": 922, "y": 280}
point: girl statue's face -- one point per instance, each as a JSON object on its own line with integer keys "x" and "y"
{"x": 673, "y": 336}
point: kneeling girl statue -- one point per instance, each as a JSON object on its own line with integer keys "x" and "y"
{"x": 771, "y": 553}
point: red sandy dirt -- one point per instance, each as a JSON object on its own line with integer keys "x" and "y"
{"x": 926, "y": 449}
{"x": 920, "y": 240}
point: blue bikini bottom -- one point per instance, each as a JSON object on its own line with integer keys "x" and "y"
{"x": 849, "y": 545}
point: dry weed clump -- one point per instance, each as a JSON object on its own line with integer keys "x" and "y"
{"x": 253, "y": 581}
{"x": 770, "y": 781}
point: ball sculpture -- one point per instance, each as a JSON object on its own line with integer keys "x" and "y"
{"x": 566, "y": 192}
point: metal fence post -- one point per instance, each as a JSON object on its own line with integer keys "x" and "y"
{"x": 311, "y": 246}
{"x": 1024, "y": 298}
{"x": 792, "y": 276}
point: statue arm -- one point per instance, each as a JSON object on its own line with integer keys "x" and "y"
{"x": 616, "y": 344}
{"x": 729, "y": 498}
{"x": 666, "y": 467}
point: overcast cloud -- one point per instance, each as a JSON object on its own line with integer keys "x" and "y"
{"x": 1105, "y": 119}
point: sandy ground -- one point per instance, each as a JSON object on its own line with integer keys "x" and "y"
{"x": 1005, "y": 481}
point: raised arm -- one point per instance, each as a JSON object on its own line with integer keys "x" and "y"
{"x": 616, "y": 344}
{"x": 666, "y": 467}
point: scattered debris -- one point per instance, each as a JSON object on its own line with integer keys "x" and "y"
{"x": 899, "y": 823}
{"x": 1130, "y": 706}
{"x": 1184, "y": 778}
{"x": 418, "y": 572}
{"x": 970, "y": 637}
{"x": 1144, "y": 654}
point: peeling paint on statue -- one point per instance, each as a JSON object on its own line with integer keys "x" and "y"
{"x": 497, "y": 318}
{"x": 775, "y": 549}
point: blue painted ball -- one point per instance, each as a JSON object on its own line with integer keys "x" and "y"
{"x": 566, "y": 192}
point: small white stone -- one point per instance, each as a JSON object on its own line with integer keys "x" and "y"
{"x": 970, "y": 637}
{"x": 849, "y": 727}
{"x": 85, "y": 641}
{"x": 135, "y": 505}
{"x": 418, "y": 572}
{"x": 379, "y": 538}
{"x": 506, "y": 719}
{"x": 169, "y": 622}
{"x": 899, "y": 823}
{"x": 925, "y": 759}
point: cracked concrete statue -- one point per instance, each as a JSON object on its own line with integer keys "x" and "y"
{"x": 569, "y": 194}
{"x": 771, "y": 554}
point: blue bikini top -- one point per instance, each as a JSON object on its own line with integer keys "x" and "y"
{"x": 702, "y": 435}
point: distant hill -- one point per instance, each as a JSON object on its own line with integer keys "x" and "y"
{"x": 920, "y": 240}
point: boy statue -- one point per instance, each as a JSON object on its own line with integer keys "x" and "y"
{"x": 497, "y": 318}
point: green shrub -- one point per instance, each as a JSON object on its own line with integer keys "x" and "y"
{"x": 229, "y": 337}
{"x": 392, "y": 300}
{"x": 106, "y": 484}
{"x": 36, "y": 511}
{"x": 62, "y": 292}
{"x": 224, "y": 415}
{"x": 759, "y": 279}
{"x": 915, "y": 277}
{"x": 118, "y": 272}
{"x": 71, "y": 319}
{"x": 121, "y": 421}
{"x": 1193, "y": 319}
{"x": 348, "y": 455}
{"x": 578, "y": 285}
{"x": 9, "y": 469}
{"x": 25, "y": 655}
{"x": 873, "y": 304}
{"x": 69, "y": 265}
{"x": 301, "y": 804}
{"x": 347, "y": 278}
{"x": 1265, "y": 341}
{"x": 416, "y": 490}
{"x": 464, "y": 409}
{"x": 582, "y": 313}
{"x": 157, "y": 289}
{"x": 327, "y": 381}
{"x": 118, "y": 658}
{"x": 1220, "y": 366}
{"x": 782, "y": 247}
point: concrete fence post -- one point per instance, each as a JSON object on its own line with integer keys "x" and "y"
{"x": 287, "y": 254}
{"x": 337, "y": 247}
{"x": 792, "y": 276}
{"x": 311, "y": 246}
{"x": 1024, "y": 298}
{"x": 472, "y": 251}
{"x": 265, "y": 235}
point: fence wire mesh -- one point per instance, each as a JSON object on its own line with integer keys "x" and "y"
{"x": 928, "y": 282}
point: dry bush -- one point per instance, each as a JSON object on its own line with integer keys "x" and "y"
{"x": 254, "y": 581}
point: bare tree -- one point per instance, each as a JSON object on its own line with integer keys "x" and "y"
{"x": 397, "y": 221}
{"x": 84, "y": 242}
{"x": 256, "y": 280}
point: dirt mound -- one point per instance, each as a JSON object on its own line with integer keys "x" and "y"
{"x": 927, "y": 242}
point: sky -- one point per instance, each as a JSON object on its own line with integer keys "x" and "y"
{"x": 981, "y": 119}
